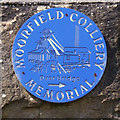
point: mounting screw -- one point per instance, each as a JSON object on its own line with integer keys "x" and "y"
{"x": 66, "y": 15}
{"x": 23, "y": 73}
{"x": 95, "y": 74}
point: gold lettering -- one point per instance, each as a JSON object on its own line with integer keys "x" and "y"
{"x": 49, "y": 94}
{"x": 91, "y": 34}
{"x": 86, "y": 28}
{"x": 39, "y": 90}
{"x": 76, "y": 91}
{"x": 31, "y": 84}
{"x": 71, "y": 17}
{"x": 57, "y": 95}
{"x": 36, "y": 22}
{"x": 89, "y": 83}
{"x": 69, "y": 94}
{"x": 100, "y": 56}
{"x": 50, "y": 16}
{"x": 20, "y": 63}
{"x": 58, "y": 15}
{"x": 100, "y": 45}
{"x": 25, "y": 32}
{"x": 100, "y": 65}
{"x": 21, "y": 43}
{"x": 29, "y": 26}
{"x": 41, "y": 18}
{"x": 19, "y": 52}
{"x": 82, "y": 18}
{"x": 83, "y": 88}
{"x": 95, "y": 40}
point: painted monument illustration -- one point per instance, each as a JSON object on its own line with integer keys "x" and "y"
{"x": 49, "y": 53}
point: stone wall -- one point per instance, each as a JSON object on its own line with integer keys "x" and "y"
{"x": 101, "y": 102}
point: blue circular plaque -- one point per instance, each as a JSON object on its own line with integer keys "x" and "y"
{"x": 59, "y": 55}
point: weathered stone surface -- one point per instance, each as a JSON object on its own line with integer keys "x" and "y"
{"x": 102, "y": 102}
{"x": 66, "y": 1}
